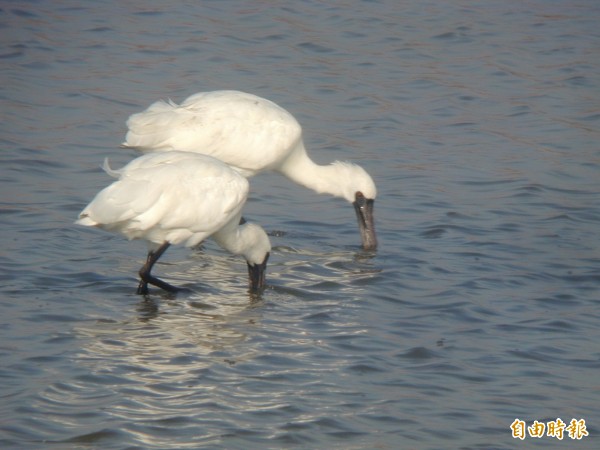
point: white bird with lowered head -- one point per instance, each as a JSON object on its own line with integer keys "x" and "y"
{"x": 179, "y": 198}
{"x": 251, "y": 134}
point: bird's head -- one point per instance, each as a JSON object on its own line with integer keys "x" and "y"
{"x": 359, "y": 189}
{"x": 257, "y": 254}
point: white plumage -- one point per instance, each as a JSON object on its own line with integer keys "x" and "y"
{"x": 251, "y": 134}
{"x": 179, "y": 198}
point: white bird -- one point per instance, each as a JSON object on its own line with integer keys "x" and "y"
{"x": 179, "y": 198}
{"x": 251, "y": 134}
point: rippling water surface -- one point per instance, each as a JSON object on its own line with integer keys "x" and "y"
{"x": 479, "y": 122}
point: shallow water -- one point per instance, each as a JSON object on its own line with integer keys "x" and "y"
{"x": 479, "y": 124}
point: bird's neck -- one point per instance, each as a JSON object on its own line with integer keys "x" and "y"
{"x": 230, "y": 237}
{"x": 299, "y": 168}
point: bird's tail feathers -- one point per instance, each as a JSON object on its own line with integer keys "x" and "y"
{"x": 85, "y": 220}
{"x": 112, "y": 172}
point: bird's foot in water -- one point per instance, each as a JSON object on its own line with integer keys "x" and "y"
{"x": 143, "y": 286}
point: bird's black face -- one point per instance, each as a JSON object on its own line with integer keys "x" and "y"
{"x": 256, "y": 275}
{"x": 366, "y": 223}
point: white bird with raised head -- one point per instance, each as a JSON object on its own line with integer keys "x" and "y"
{"x": 179, "y": 198}
{"x": 251, "y": 134}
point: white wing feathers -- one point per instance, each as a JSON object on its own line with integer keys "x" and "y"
{"x": 247, "y": 132}
{"x": 174, "y": 196}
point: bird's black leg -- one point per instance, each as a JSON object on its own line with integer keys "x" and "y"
{"x": 145, "y": 275}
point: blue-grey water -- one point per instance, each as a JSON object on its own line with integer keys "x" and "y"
{"x": 479, "y": 121}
